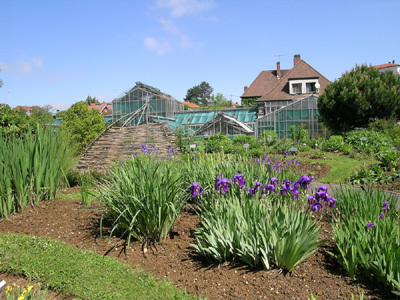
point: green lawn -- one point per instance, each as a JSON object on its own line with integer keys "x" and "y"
{"x": 341, "y": 167}
{"x": 79, "y": 273}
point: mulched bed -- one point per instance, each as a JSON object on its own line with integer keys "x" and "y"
{"x": 176, "y": 260}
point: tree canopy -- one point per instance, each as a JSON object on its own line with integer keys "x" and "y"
{"x": 18, "y": 121}
{"x": 200, "y": 94}
{"x": 360, "y": 97}
{"x": 82, "y": 124}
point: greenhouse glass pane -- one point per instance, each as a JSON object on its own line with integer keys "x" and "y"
{"x": 297, "y": 115}
{"x": 289, "y": 115}
{"x": 305, "y": 114}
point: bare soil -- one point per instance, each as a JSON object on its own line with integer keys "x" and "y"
{"x": 175, "y": 259}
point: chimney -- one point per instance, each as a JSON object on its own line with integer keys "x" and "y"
{"x": 278, "y": 70}
{"x": 296, "y": 59}
{"x": 245, "y": 88}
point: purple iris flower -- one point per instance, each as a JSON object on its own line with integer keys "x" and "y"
{"x": 269, "y": 188}
{"x": 304, "y": 181}
{"x": 144, "y": 148}
{"x": 274, "y": 181}
{"x": 385, "y": 207}
{"x": 316, "y": 206}
{"x": 382, "y": 216}
{"x": 134, "y": 154}
{"x": 238, "y": 179}
{"x": 331, "y": 202}
{"x": 370, "y": 225}
{"x": 196, "y": 189}
{"x": 285, "y": 188}
{"x": 223, "y": 185}
{"x": 323, "y": 188}
{"x": 253, "y": 189}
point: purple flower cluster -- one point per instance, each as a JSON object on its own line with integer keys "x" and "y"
{"x": 278, "y": 165}
{"x": 370, "y": 225}
{"x": 196, "y": 189}
{"x": 253, "y": 189}
{"x": 321, "y": 199}
{"x": 222, "y": 184}
{"x": 238, "y": 179}
{"x": 385, "y": 209}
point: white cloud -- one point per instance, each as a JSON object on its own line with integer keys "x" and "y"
{"x": 22, "y": 67}
{"x": 169, "y": 26}
{"x": 180, "y": 8}
{"x": 156, "y": 46}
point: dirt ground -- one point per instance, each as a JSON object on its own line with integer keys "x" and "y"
{"x": 176, "y": 260}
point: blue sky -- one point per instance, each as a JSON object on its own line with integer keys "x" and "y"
{"x": 58, "y": 52}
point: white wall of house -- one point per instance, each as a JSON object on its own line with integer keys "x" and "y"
{"x": 395, "y": 69}
{"x": 303, "y": 86}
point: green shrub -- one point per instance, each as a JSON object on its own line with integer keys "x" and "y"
{"x": 367, "y": 235}
{"x": 31, "y": 168}
{"x": 368, "y": 141}
{"x": 143, "y": 197}
{"x": 334, "y": 144}
{"x": 268, "y": 138}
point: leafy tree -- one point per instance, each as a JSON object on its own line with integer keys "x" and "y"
{"x": 89, "y": 100}
{"x": 12, "y": 121}
{"x": 249, "y": 102}
{"x": 200, "y": 94}
{"x": 358, "y": 98}
{"x": 40, "y": 116}
{"x": 219, "y": 101}
{"x": 82, "y": 124}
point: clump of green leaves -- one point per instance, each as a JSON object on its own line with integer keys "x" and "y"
{"x": 81, "y": 124}
{"x": 144, "y": 197}
{"x": 367, "y": 235}
{"x": 31, "y": 168}
{"x": 257, "y": 232}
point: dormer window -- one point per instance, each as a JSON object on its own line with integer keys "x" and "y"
{"x": 310, "y": 87}
{"x": 296, "y": 88}
{"x": 303, "y": 86}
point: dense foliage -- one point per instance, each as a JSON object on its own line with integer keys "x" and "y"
{"x": 367, "y": 235}
{"x": 18, "y": 122}
{"x": 358, "y": 98}
{"x": 200, "y": 94}
{"x": 31, "y": 168}
{"x": 82, "y": 124}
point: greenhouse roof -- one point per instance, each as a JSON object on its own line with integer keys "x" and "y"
{"x": 244, "y": 115}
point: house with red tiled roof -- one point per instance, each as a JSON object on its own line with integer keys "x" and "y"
{"x": 104, "y": 108}
{"x": 273, "y": 89}
{"x": 390, "y": 66}
{"x": 27, "y": 109}
{"x": 191, "y": 105}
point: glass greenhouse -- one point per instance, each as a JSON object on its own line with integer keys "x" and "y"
{"x": 137, "y": 105}
{"x": 303, "y": 111}
{"x": 230, "y": 121}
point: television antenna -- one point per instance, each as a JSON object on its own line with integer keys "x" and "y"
{"x": 279, "y": 56}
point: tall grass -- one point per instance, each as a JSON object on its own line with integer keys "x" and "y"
{"x": 144, "y": 197}
{"x": 256, "y": 231}
{"x": 367, "y": 235}
{"x": 30, "y": 168}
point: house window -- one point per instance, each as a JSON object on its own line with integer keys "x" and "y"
{"x": 310, "y": 87}
{"x": 296, "y": 88}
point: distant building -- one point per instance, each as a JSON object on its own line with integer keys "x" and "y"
{"x": 273, "y": 89}
{"x": 27, "y": 109}
{"x": 191, "y": 105}
{"x": 390, "y": 66}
